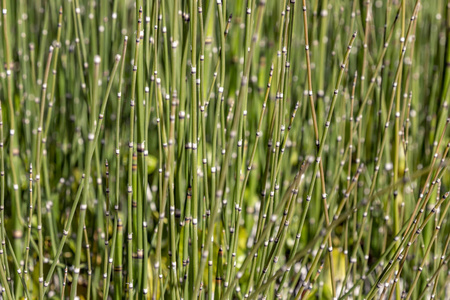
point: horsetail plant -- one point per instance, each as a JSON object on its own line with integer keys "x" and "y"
{"x": 235, "y": 150}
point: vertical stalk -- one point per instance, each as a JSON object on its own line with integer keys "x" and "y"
{"x": 38, "y": 163}
{"x": 118, "y": 226}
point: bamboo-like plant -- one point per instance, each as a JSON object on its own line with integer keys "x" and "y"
{"x": 234, "y": 150}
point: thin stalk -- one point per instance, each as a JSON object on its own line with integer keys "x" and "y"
{"x": 38, "y": 163}
{"x": 194, "y": 130}
{"x": 118, "y": 233}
